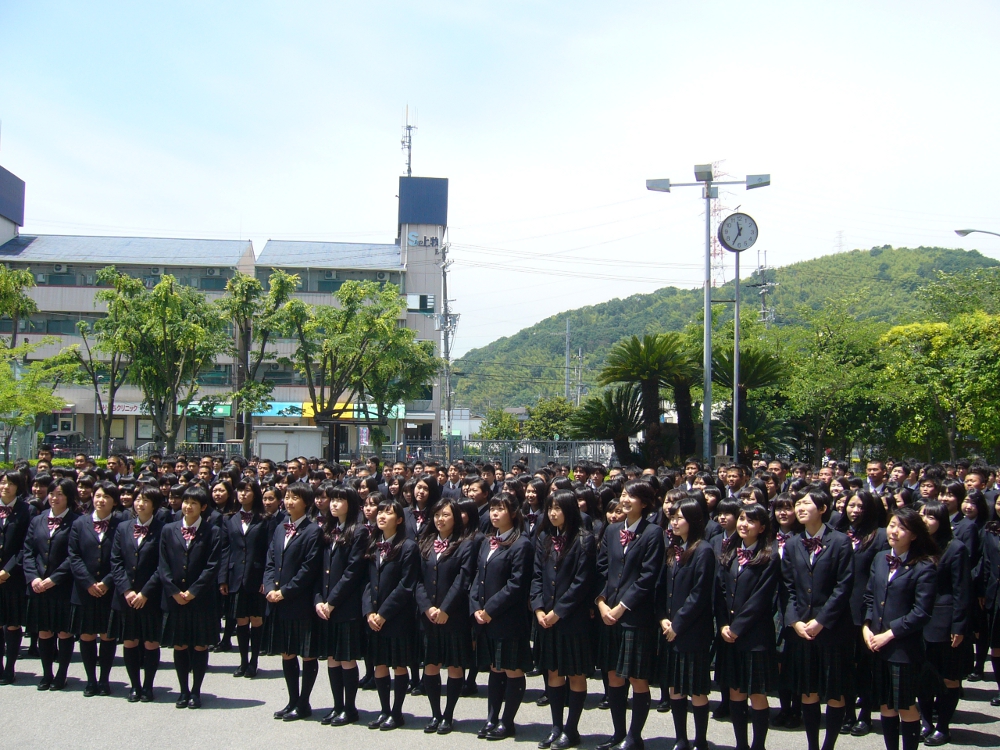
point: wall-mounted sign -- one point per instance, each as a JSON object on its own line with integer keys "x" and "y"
{"x": 415, "y": 240}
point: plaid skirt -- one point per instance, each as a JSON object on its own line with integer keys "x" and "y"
{"x": 298, "y": 637}
{"x": 342, "y": 641}
{"x": 130, "y": 624}
{"x": 13, "y": 602}
{"x": 91, "y": 617}
{"x": 186, "y": 628}
{"x": 750, "y": 672}
{"x": 629, "y": 652}
{"x": 245, "y": 603}
{"x": 49, "y": 611}
{"x": 946, "y": 663}
{"x": 688, "y": 673}
{"x": 447, "y": 648}
{"x": 894, "y": 685}
{"x": 823, "y": 668}
{"x": 565, "y": 655}
{"x": 503, "y": 653}
{"x": 393, "y": 652}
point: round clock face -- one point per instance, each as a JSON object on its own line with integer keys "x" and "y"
{"x": 737, "y": 232}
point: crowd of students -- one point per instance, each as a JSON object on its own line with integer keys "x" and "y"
{"x": 875, "y": 594}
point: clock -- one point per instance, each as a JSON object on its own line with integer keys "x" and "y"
{"x": 737, "y": 232}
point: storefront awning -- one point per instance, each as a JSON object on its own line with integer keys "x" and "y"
{"x": 218, "y": 410}
{"x": 281, "y": 409}
{"x": 357, "y": 411}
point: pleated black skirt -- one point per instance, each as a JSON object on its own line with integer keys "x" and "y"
{"x": 91, "y": 617}
{"x": 824, "y": 668}
{"x": 130, "y": 624}
{"x": 245, "y": 603}
{"x": 503, "y": 653}
{"x": 297, "y": 637}
{"x": 894, "y": 685}
{"x": 686, "y": 673}
{"x": 751, "y": 672}
{"x": 13, "y": 603}
{"x": 947, "y": 663}
{"x": 567, "y": 656}
{"x": 630, "y": 652}
{"x": 186, "y": 628}
{"x": 393, "y": 651}
{"x": 342, "y": 641}
{"x": 49, "y": 611}
{"x": 448, "y": 648}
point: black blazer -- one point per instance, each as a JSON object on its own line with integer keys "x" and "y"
{"x": 342, "y": 580}
{"x": 989, "y": 571}
{"x": 953, "y": 595}
{"x": 12, "y": 535}
{"x": 445, "y": 584}
{"x": 565, "y": 584}
{"x": 294, "y": 570}
{"x": 717, "y": 540}
{"x": 451, "y": 492}
{"x": 136, "y": 568}
{"x": 630, "y": 577}
{"x": 219, "y": 521}
{"x": 485, "y": 525}
{"x": 967, "y": 533}
{"x": 90, "y": 557}
{"x": 531, "y": 527}
{"x": 863, "y": 558}
{"x": 389, "y": 591}
{"x": 684, "y": 594}
{"x": 48, "y": 557}
{"x": 247, "y": 553}
{"x": 413, "y": 529}
{"x": 903, "y": 605}
{"x": 821, "y": 591}
{"x": 193, "y": 568}
{"x": 502, "y": 587}
{"x": 744, "y": 600}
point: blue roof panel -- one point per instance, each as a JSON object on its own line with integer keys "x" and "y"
{"x": 142, "y": 251}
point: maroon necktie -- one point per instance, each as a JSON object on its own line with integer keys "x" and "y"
{"x": 246, "y": 516}
{"x": 419, "y": 516}
{"x": 626, "y": 537}
{"x": 855, "y": 539}
{"x": 782, "y": 537}
{"x": 744, "y": 556}
{"x": 440, "y": 546}
{"x": 290, "y": 529}
{"x": 813, "y": 545}
{"x": 494, "y": 543}
{"x": 54, "y": 523}
{"x": 726, "y": 542}
{"x": 678, "y": 553}
{"x": 139, "y": 531}
{"x": 894, "y": 562}
{"x": 188, "y": 532}
{"x": 558, "y": 542}
{"x": 100, "y": 526}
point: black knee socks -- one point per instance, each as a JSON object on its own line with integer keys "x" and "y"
{"x": 679, "y": 712}
{"x": 150, "y": 664}
{"x": 182, "y": 666}
{"x": 947, "y": 704}
{"x": 336, "y": 675}
{"x": 350, "y": 688}
{"x": 512, "y": 698}
{"x": 810, "y": 720}
{"x": 995, "y": 661}
{"x": 557, "y": 702}
{"x": 88, "y": 655}
{"x": 760, "y": 718}
{"x": 384, "y": 685}
{"x": 310, "y": 670}
{"x": 640, "y": 710}
{"x": 618, "y": 704}
{"x": 911, "y": 734}
{"x": 400, "y": 687}
{"x": 290, "y": 670}
{"x": 432, "y": 689}
{"x": 106, "y": 660}
{"x": 12, "y": 645}
{"x": 834, "y": 720}
{"x": 199, "y": 665}
{"x": 255, "y": 637}
{"x": 132, "y": 656}
{"x": 739, "y": 715}
{"x": 453, "y": 691}
{"x": 65, "y": 656}
{"x": 495, "y": 689}
{"x": 243, "y": 642}
{"x": 700, "y": 714}
{"x": 576, "y": 701}
{"x": 890, "y": 732}
{"x": 47, "y": 655}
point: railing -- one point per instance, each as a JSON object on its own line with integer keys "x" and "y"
{"x": 191, "y": 449}
{"x": 537, "y": 453}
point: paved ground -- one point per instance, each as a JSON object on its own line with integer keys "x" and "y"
{"x": 237, "y": 714}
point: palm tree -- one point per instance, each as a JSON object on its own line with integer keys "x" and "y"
{"x": 649, "y": 363}
{"x": 758, "y": 369}
{"x": 614, "y": 414}
{"x": 759, "y": 431}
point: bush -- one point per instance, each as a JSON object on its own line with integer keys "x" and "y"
{"x": 65, "y": 463}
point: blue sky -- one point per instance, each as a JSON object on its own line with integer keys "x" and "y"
{"x": 877, "y": 121}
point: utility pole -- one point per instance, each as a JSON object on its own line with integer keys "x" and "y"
{"x": 566, "y": 394}
{"x": 579, "y": 374}
{"x": 448, "y": 324}
{"x": 407, "y": 142}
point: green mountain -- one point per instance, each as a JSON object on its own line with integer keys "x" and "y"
{"x": 517, "y": 370}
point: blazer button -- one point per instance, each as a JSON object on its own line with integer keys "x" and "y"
{"x": 809, "y": 591}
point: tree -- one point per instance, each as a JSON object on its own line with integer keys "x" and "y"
{"x": 614, "y": 414}
{"x": 14, "y": 301}
{"x": 171, "y": 334}
{"x": 498, "y": 425}
{"x": 547, "y": 420}
{"x": 106, "y": 369}
{"x": 650, "y": 363}
{"x": 256, "y": 316}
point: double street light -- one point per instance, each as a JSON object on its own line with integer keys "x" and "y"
{"x": 966, "y": 232}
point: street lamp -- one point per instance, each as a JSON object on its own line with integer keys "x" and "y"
{"x": 965, "y": 232}
{"x": 705, "y": 177}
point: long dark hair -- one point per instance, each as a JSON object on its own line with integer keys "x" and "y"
{"x": 430, "y": 534}
{"x": 68, "y": 487}
{"x": 257, "y": 507}
{"x": 397, "y": 508}
{"x": 922, "y": 547}
{"x": 541, "y": 488}
{"x": 330, "y": 522}
{"x": 513, "y": 507}
{"x": 566, "y": 501}
{"x": 231, "y": 505}
{"x": 977, "y": 498}
{"x": 939, "y": 511}
{"x": 753, "y": 512}
{"x": 17, "y": 479}
{"x": 873, "y": 518}
{"x": 690, "y": 510}
{"x": 469, "y": 508}
{"x": 433, "y": 491}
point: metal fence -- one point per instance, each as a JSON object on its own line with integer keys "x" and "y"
{"x": 535, "y": 453}
{"x": 190, "y": 449}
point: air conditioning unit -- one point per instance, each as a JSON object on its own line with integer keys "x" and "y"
{"x": 41, "y": 278}
{"x": 212, "y": 272}
{"x": 382, "y": 276}
{"x": 59, "y": 268}
{"x": 155, "y": 271}
{"x": 274, "y": 367}
{"x": 330, "y": 275}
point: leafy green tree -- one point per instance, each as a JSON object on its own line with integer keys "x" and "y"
{"x": 498, "y": 425}
{"x": 15, "y": 303}
{"x": 105, "y": 368}
{"x": 614, "y": 414}
{"x": 548, "y": 418}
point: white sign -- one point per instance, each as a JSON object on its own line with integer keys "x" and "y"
{"x": 124, "y": 409}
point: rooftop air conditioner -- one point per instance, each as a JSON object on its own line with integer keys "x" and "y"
{"x": 212, "y": 272}
{"x": 155, "y": 271}
{"x": 274, "y": 367}
{"x": 59, "y": 268}
{"x": 330, "y": 275}
{"x": 382, "y": 275}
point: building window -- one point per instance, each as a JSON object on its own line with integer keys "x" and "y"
{"x": 213, "y": 284}
{"x": 61, "y": 327}
{"x": 422, "y": 303}
{"x": 62, "y": 279}
{"x": 328, "y": 285}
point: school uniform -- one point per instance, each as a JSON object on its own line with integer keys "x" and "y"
{"x": 630, "y": 563}
{"x": 446, "y": 573}
{"x": 90, "y": 545}
{"x": 744, "y": 600}
{"x": 14, "y": 521}
{"x": 532, "y": 520}
{"x": 190, "y": 565}
{"x": 966, "y": 531}
{"x": 415, "y": 521}
{"x": 293, "y": 566}
{"x": 502, "y": 588}
{"x": 950, "y": 616}
{"x": 819, "y": 584}
{"x": 485, "y": 525}
{"x": 341, "y": 584}
{"x": 248, "y": 541}
{"x": 46, "y": 555}
{"x": 135, "y": 561}
{"x": 563, "y": 581}
{"x": 214, "y": 517}
{"x": 451, "y": 491}
{"x": 899, "y": 597}
{"x": 989, "y": 582}
{"x": 389, "y": 592}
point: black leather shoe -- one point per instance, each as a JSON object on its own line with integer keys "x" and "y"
{"x": 445, "y": 726}
{"x": 146, "y": 696}
{"x": 182, "y": 701}
{"x": 974, "y": 677}
{"x": 104, "y": 689}
{"x": 469, "y": 688}
{"x": 241, "y": 671}
{"x": 377, "y": 721}
{"x": 251, "y": 671}
{"x": 778, "y": 720}
{"x": 90, "y": 690}
{"x": 432, "y": 725}
{"x": 937, "y": 738}
{"x": 860, "y": 729}
{"x": 629, "y": 744}
{"x": 45, "y": 684}
{"x": 393, "y": 722}
{"x": 299, "y": 712}
{"x": 417, "y": 690}
{"x": 500, "y": 732}
{"x": 281, "y": 714}
{"x": 7, "y": 679}
{"x": 663, "y": 707}
{"x": 133, "y": 696}
{"x": 793, "y": 721}
{"x": 328, "y": 719}
{"x": 58, "y": 684}
{"x": 682, "y": 745}
{"x": 224, "y": 646}
{"x": 543, "y": 700}
{"x": 721, "y": 712}
{"x": 604, "y": 705}
{"x": 609, "y": 744}
{"x": 926, "y": 728}
{"x": 344, "y": 718}
{"x": 552, "y": 737}
{"x": 565, "y": 740}
{"x": 485, "y": 729}
{"x": 995, "y": 701}
{"x": 194, "y": 701}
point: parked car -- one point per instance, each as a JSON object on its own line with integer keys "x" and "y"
{"x": 67, "y": 444}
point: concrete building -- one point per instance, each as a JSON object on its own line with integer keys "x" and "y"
{"x": 65, "y": 269}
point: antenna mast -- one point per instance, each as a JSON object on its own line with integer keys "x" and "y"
{"x": 407, "y": 142}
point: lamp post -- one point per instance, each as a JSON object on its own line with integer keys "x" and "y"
{"x": 704, "y": 175}
{"x": 965, "y": 232}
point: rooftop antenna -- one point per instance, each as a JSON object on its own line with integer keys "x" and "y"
{"x": 407, "y": 142}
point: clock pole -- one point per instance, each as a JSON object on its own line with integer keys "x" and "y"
{"x": 736, "y": 364}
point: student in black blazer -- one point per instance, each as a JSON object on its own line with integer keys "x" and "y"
{"x": 136, "y": 619}
{"x": 293, "y": 566}
{"x": 50, "y": 581}
{"x": 629, "y": 563}
{"x": 224, "y": 507}
{"x": 337, "y": 601}
{"x": 190, "y": 555}
{"x": 965, "y": 530}
{"x": 899, "y": 602}
{"x": 785, "y": 526}
{"x": 536, "y": 492}
{"x": 15, "y": 516}
{"x": 499, "y": 603}
{"x": 989, "y": 587}
{"x": 863, "y": 521}
{"x": 442, "y": 594}
{"x": 390, "y": 609}
{"x": 746, "y": 585}
{"x": 474, "y": 538}
{"x": 426, "y": 494}
{"x": 249, "y": 536}
{"x": 818, "y": 571}
{"x": 90, "y": 542}
{"x": 947, "y": 638}
{"x": 562, "y": 588}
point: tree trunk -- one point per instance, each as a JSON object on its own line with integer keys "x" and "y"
{"x": 106, "y": 437}
{"x": 685, "y": 421}
{"x": 247, "y": 433}
{"x": 6, "y": 445}
{"x": 623, "y": 450}
{"x": 651, "y": 422}
{"x": 952, "y": 451}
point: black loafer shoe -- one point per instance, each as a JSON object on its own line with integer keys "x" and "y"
{"x": 500, "y": 732}
{"x": 564, "y": 741}
{"x": 432, "y": 726}
{"x": 182, "y": 701}
{"x": 194, "y": 701}
{"x": 328, "y": 719}
{"x": 44, "y": 684}
{"x": 146, "y": 696}
{"x": 663, "y": 707}
{"x": 793, "y": 721}
{"x": 937, "y": 738}
{"x": 251, "y": 671}
{"x": 629, "y": 744}
{"x": 469, "y": 688}
{"x": 543, "y": 700}
{"x": 609, "y": 744}
{"x": 860, "y": 729}
{"x": 344, "y": 718}
{"x": 58, "y": 684}
{"x": 445, "y": 726}
{"x": 299, "y": 712}
{"x": 393, "y": 722}
{"x": 552, "y": 737}
{"x": 377, "y": 721}
{"x": 90, "y": 690}
{"x": 281, "y": 714}
{"x": 995, "y": 701}
{"x": 241, "y": 671}
{"x": 104, "y": 689}
{"x": 133, "y": 696}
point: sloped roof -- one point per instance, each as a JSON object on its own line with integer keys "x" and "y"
{"x": 144, "y": 251}
{"x": 296, "y": 254}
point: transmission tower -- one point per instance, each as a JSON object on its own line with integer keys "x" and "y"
{"x": 765, "y": 283}
{"x": 719, "y": 212}
{"x": 407, "y": 141}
